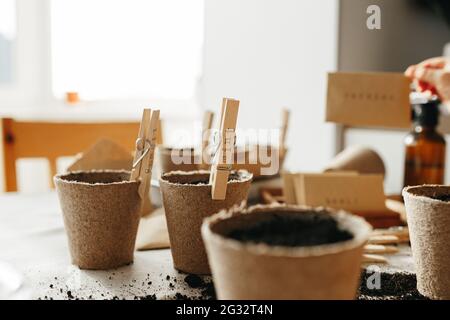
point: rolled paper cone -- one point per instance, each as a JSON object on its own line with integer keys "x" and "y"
{"x": 101, "y": 211}
{"x": 357, "y": 158}
{"x": 187, "y": 201}
{"x": 248, "y": 270}
{"x": 173, "y": 159}
{"x": 428, "y": 214}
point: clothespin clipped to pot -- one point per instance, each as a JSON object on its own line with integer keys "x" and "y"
{"x": 284, "y": 128}
{"x": 145, "y": 148}
{"x": 208, "y": 117}
{"x": 223, "y": 158}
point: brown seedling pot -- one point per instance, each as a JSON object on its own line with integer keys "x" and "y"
{"x": 101, "y": 211}
{"x": 255, "y": 270}
{"x": 187, "y": 201}
{"x": 188, "y": 160}
{"x": 260, "y": 160}
{"x": 428, "y": 216}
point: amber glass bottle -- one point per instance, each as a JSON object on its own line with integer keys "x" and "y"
{"x": 425, "y": 147}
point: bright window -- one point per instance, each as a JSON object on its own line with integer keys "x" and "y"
{"x": 7, "y": 37}
{"x": 127, "y": 49}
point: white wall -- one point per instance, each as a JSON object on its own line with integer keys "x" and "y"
{"x": 270, "y": 54}
{"x": 31, "y": 78}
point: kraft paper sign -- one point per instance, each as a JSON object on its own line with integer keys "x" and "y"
{"x": 348, "y": 191}
{"x": 369, "y": 99}
{"x": 104, "y": 154}
{"x": 290, "y": 186}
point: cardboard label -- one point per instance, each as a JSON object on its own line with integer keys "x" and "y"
{"x": 348, "y": 191}
{"x": 104, "y": 154}
{"x": 369, "y": 99}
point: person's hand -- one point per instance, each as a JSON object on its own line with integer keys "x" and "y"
{"x": 432, "y": 76}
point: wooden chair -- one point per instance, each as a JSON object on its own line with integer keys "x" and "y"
{"x": 50, "y": 140}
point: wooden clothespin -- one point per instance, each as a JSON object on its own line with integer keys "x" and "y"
{"x": 223, "y": 158}
{"x": 145, "y": 147}
{"x": 159, "y": 133}
{"x": 284, "y": 128}
{"x": 208, "y": 117}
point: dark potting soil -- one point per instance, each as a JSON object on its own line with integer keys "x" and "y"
{"x": 231, "y": 177}
{"x": 442, "y": 197}
{"x": 207, "y": 289}
{"x": 392, "y": 286}
{"x": 194, "y": 281}
{"x": 292, "y": 229}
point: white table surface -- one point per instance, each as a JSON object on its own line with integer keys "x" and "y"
{"x": 33, "y": 240}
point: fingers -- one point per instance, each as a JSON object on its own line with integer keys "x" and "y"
{"x": 433, "y": 63}
{"x": 410, "y": 71}
{"x": 430, "y": 76}
{"x": 436, "y": 62}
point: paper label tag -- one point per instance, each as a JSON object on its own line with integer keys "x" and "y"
{"x": 350, "y": 191}
{"x": 369, "y": 99}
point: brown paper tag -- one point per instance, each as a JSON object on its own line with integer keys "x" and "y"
{"x": 348, "y": 191}
{"x": 369, "y": 99}
{"x": 104, "y": 154}
{"x": 152, "y": 232}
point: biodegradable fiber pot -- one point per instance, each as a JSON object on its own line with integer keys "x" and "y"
{"x": 101, "y": 212}
{"x": 428, "y": 215}
{"x": 326, "y": 266}
{"x": 172, "y": 159}
{"x": 187, "y": 201}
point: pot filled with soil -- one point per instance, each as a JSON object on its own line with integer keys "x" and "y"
{"x": 101, "y": 211}
{"x": 173, "y": 159}
{"x": 428, "y": 216}
{"x": 285, "y": 252}
{"x": 187, "y": 201}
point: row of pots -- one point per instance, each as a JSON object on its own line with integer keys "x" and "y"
{"x": 101, "y": 216}
{"x": 256, "y": 159}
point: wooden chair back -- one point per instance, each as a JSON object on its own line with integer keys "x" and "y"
{"x": 50, "y": 140}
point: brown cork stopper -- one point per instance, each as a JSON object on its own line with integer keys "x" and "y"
{"x": 249, "y": 270}
{"x": 187, "y": 201}
{"x": 428, "y": 215}
{"x": 101, "y": 211}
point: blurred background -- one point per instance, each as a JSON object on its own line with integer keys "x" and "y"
{"x": 184, "y": 56}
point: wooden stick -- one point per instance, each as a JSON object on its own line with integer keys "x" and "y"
{"x": 373, "y": 258}
{"x": 267, "y": 197}
{"x": 220, "y": 170}
{"x": 284, "y": 128}
{"x": 380, "y": 249}
{"x": 208, "y": 117}
{"x": 383, "y": 240}
{"x": 402, "y": 233}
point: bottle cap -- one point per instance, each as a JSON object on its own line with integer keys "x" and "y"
{"x": 426, "y": 112}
